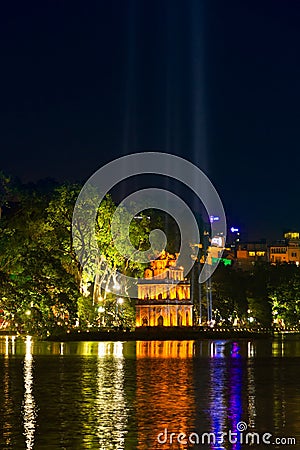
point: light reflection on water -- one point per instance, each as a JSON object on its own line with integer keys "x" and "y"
{"x": 225, "y": 391}
{"x": 164, "y": 396}
{"x": 7, "y": 405}
{"x": 110, "y": 404}
{"x": 217, "y": 395}
{"x": 251, "y": 395}
{"x": 29, "y": 410}
{"x": 114, "y": 395}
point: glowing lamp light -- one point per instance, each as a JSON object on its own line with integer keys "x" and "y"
{"x": 120, "y": 301}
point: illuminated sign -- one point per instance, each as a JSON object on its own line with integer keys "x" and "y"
{"x": 234, "y": 230}
{"x": 214, "y": 219}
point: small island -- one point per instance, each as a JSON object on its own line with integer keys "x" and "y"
{"x": 255, "y": 289}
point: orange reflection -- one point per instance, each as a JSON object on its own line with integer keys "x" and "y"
{"x": 165, "y": 349}
{"x": 164, "y": 398}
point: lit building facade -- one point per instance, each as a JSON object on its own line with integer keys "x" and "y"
{"x": 278, "y": 253}
{"x": 247, "y": 254}
{"x": 286, "y": 251}
{"x": 164, "y": 295}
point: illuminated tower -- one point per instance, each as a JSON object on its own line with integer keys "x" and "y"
{"x": 164, "y": 295}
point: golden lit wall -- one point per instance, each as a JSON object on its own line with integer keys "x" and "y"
{"x": 164, "y": 315}
{"x": 162, "y": 291}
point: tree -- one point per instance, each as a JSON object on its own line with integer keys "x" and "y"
{"x": 5, "y": 190}
{"x": 36, "y": 289}
{"x": 111, "y": 260}
{"x": 229, "y": 293}
{"x": 258, "y": 296}
{"x": 284, "y": 292}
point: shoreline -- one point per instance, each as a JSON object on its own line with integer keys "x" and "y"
{"x": 160, "y": 335}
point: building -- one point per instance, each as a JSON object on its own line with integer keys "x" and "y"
{"x": 164, "y": 295}
{"x": 247, "y": 254}
{"x": 278, "y": 252}
{"x": 286, "y": 250}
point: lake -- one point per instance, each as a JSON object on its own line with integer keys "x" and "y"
{"x": 212, "y": 394}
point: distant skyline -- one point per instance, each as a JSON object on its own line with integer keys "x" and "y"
{"x": 216, "y": 83}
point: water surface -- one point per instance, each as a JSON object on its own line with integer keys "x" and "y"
{"x": 114, "y": 395}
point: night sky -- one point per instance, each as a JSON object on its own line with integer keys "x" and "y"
{"x": 215, "y": 82}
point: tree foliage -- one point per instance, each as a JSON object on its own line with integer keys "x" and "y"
{"x": 42, "y": 283}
